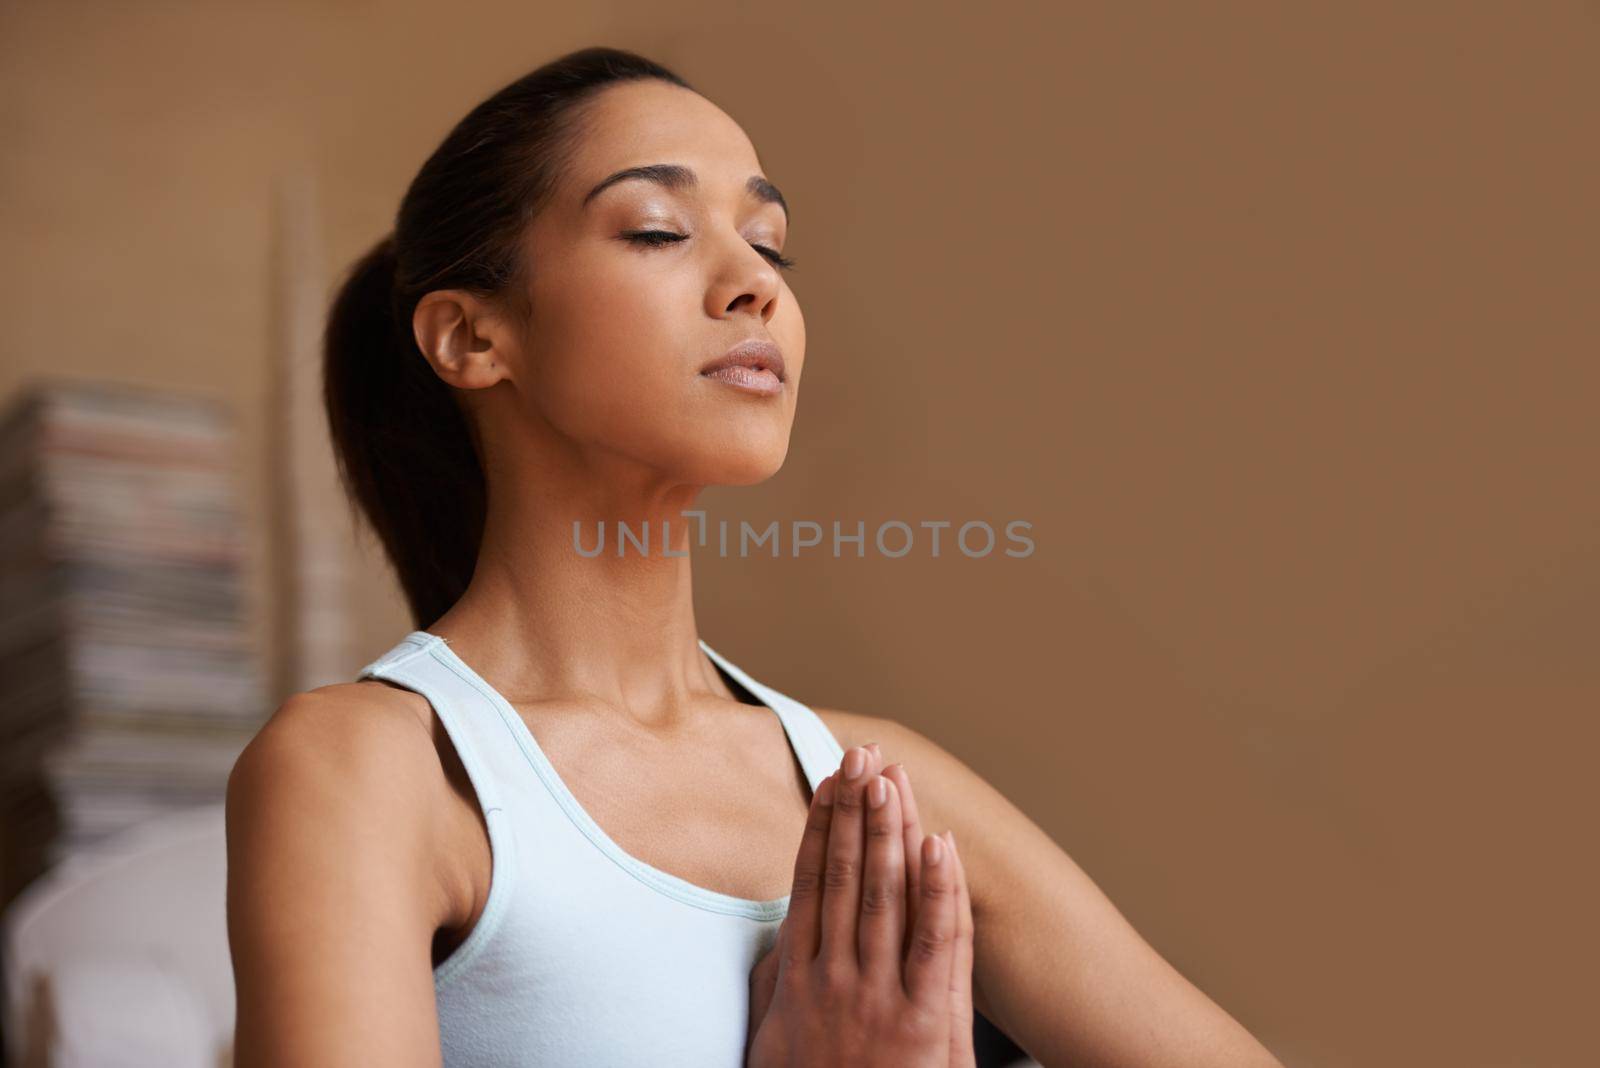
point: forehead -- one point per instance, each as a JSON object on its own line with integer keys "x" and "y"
{"x": 651, "y": 121}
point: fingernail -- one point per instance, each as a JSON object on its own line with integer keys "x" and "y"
{"x": 854, "y": 761}
{"x": 877, "y": 791}
{"x": 875, "y": 750}
{"x": 950, "y": 836}
{"x": 825, "y": 792}
{"x": 934, "y": 853}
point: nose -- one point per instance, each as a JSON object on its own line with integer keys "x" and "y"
{"x": 747, "y": 284}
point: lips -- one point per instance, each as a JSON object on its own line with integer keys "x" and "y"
{"x": 756, "y": 354}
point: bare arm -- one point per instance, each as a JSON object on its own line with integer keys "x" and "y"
{"x": 332, "y": 902}
{"x": 1057, "y": 966}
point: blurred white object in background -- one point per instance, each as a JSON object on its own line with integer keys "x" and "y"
{"x": 118, "y": 957}
{"x": 124, "y": 1012}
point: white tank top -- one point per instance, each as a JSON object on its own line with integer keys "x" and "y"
{"x": 584, "y": 955}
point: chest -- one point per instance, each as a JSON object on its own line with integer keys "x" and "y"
{"x": 723, "y": 810}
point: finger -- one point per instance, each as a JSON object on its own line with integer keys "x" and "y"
{"x": 805, "y": 905}
{"x": 799, "y": 934}
{"x": 881, "y": 933}
{"x": 913, "y": 842}
{"x": 961, "y": 1049}
{"x": 929, "y": 960}
{"x": 874, "y": 761}
{"x": 841, "y": 874}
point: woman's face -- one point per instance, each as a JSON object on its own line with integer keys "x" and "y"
{"x": 623, "y": 324}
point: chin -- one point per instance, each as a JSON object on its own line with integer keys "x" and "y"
{"x": 740, "y": 467}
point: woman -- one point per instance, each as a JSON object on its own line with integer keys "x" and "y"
{"x": 580, "y": 320}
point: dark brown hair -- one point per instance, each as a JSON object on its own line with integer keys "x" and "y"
{"x": 404, "y": 451}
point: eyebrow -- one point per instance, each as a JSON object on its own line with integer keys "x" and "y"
{"x": 677, "y": 177}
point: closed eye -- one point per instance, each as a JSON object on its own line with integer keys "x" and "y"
{"x": 659, "y": 238}
{"x": 775, "y": 256}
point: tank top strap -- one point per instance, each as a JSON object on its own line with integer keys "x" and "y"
{"x": 458, "y": 704}
{"x": 814, "y": 745}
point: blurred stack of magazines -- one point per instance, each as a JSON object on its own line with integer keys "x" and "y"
{"x": 128, "y": 680}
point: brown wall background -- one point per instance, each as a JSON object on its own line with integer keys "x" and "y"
{"x": 1278, "y": 323}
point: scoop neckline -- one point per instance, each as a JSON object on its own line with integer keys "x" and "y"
{"x": 673, "y": 886}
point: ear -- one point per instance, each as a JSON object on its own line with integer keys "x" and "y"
{"x": 468, "y": 341}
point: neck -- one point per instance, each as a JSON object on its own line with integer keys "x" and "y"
{"x": 541, "y": 621}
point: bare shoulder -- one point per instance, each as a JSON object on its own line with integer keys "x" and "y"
{"x": 339, "y": 759}
{"x": 350, "y": 759}
{"x": 928, "y": 764}
{"x": 334, "y": 893}
{"x": 851, "y": 728}
{"x": 946, "y": 776}
{"x": 367, "y": 711}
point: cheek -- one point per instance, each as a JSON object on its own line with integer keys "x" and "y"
{"x": 611, "y": 369}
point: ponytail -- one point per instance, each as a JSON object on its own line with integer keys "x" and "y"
{"x": 404, "y": 451}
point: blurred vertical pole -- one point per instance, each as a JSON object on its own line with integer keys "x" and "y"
{"x": 311, "y": 624}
